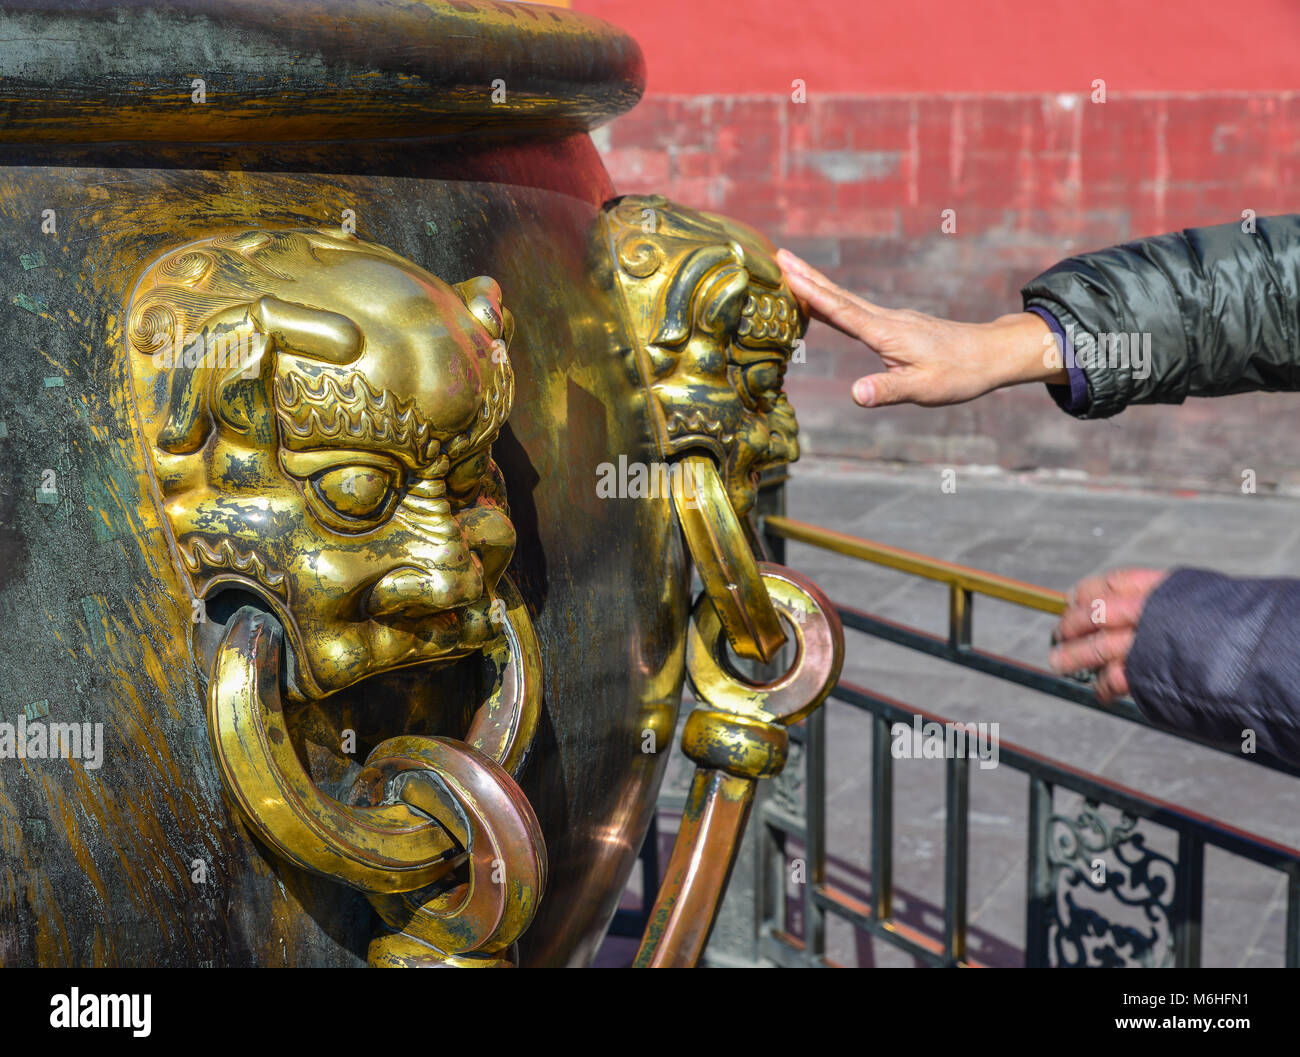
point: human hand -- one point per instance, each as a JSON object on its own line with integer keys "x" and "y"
{"x": 928, "y": 361}
{"x": 1098, "y": 626}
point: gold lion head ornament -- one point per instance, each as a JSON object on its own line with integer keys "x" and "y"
{"x": 318, "y": 413}
{"x": 715, "y": 328}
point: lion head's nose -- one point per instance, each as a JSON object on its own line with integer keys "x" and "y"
{"x": 411, "y": 592}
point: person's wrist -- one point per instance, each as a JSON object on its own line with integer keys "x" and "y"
{"x": 1025, "y": 350}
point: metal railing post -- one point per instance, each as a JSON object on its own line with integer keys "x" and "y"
{"x": 815, "y": 813}
{"x": 1293, "y": 917}
{"x": 956, "y": 851}
{"x": 961, "y": 604}
{"x": 1189, "y": 898}
{"x": 882, "y": 820}
{"x": 1040, "y": 896}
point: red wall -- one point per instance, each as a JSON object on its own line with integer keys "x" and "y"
{"x": 913, "y": 109}
{"x": 760, "y": 46}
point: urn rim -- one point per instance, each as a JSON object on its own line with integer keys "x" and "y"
{"x": 307, "y": 71}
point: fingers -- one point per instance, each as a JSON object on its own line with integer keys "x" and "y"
{"x": 799, "y": 270}
{"x": 1092, "y": 651}
{"x": 883, "y": 389}
{"x": 832, "y": 305}
{"x": 1112, "y": 682}
{"x": 1114, "y": 599}
{"x": 1099, "y": 625}
{"x": 859, "y": 319}
{"x": 1118, "y": 582}
{"x": 814, "y": 281}
{"x": 828, "y": 302}
{"x": 1104, "y": 609}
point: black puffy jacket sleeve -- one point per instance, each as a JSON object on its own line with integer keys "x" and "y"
{"x": 1220, "y": 305}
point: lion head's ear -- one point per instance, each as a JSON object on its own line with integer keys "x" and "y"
{"x": 188, "y": 421}
{"x": 482, "y": 296}
{"x": 277, "y": 326}
{"x": 226, "y": 339}
{"x": 707, "y": 292}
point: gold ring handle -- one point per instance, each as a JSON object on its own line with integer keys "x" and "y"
{"x": 723, "y": 558}
{"x": 736, "y": 738}
{"x": 382, "y": 849}
{"x": 503, "y": 727}
{"x": 819, "y": 653}
{"x": 506, "y": 872}
{"x": 379, "y": 849}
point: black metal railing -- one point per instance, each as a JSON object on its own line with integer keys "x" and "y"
{"x": 1165, "y": 892}
{"x": 1118, "y": 827}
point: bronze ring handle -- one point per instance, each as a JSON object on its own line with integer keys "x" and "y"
{"x": 737, "y": 737}
{"x": 724, "y": 560}
{"x": 819, "y": 653}
{"x": 381, "y": 849}
{"x": 493, "y": 821}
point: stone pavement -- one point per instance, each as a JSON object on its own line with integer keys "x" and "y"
{"x": 1050, "y": 532}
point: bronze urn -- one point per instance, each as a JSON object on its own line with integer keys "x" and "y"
{"x": 358, "y": 445}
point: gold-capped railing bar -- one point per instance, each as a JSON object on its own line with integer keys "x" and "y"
{"x": 959, "y": 577}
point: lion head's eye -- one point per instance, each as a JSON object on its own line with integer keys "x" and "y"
{"x": 359, "y": 492}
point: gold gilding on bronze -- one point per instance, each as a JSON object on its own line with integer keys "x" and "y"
{"x": 318, "y": 413}
{"x": 715, "y": 326}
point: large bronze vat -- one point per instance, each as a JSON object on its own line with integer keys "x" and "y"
{"x": 329, "y": 351}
